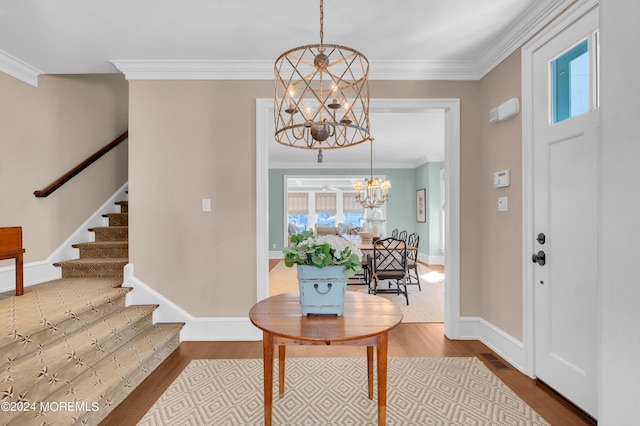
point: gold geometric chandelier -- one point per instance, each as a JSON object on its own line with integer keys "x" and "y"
{"x": 375, "y": 193}
{"x": 322, "y": 96}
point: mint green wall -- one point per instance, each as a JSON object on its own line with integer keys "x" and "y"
{"x": 422, "y": 181}
{"x": 400, "y": 209}
{"x": 435, "y": 218}
{"x": 428, "y": 177}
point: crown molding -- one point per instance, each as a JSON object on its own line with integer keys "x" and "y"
{"x": 423, "y": 70}
{"x": 263, "y": 70}
{"x": 536, "y": 17}
{"x": 195, "y": 69}
{"x": 16, "y": 68}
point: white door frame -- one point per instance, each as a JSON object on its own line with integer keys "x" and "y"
{"x": 528, "y": 246}
{"x": 264, "y": 115}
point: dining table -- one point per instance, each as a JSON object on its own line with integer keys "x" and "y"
{"x": 367, "y": 247}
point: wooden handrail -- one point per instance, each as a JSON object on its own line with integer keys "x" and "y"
{"x": 80, "y": 167}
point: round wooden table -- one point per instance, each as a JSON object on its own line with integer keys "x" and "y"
{"x": 366, "y": 321}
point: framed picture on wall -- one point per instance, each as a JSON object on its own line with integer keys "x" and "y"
{"x": 421, "y": 205}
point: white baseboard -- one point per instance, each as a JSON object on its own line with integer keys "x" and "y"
{"x": 507, "y": 347}
{"x": 276, "y": 255}
{"x": 196, "y": 328}
{"x": 42, "y": 271}
{"x": 430, "y": 260}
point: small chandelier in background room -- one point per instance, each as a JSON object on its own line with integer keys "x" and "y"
{"x": 375, "y": 193}
{"x": 322, "y": 96}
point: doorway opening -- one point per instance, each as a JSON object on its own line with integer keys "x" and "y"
{"x": 451, "y": 107}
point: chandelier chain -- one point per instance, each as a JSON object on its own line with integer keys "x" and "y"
{"x": 321, "y": 22}
{"x": 371, "y": 160}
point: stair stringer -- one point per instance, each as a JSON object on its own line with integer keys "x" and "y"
{"x": 42, "y": 271}
{"x": 195, "y": 328}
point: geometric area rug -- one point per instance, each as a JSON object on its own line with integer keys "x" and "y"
{"x": 333, "y": 391}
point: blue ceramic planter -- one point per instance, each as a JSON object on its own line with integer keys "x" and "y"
{"x": 322, "y": 290}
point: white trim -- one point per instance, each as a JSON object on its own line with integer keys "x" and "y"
{"x": 277, "y": 254}
{"x": 354, "y": 165}
{"x": 41, "y": 271}
{"x": 507, "y": 347}
{"x": 195, "y": 69}
{"x": 452, "y": 218}
{"x": 195, "y": 328}
{"x": 264, "y": 113}
{"x": 538, "y": 15}
{"x": 528, "y": 230}
{"x": 263, "y": 70}
{"x": 430, "y": 260}
{"x": 530, "y": 22}
{"x": 18, "y": 69}
{"x": 423, "y": 70}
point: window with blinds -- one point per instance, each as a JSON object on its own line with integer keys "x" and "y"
{"x": 306, "y": 209}
{"x": 349, "y": 203}
{"x": 326, "y": 202}
{"x": 298, "y": 203}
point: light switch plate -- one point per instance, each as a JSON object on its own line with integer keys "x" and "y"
{"x": 503, "y": 204}
{"x": 501, "y": 179}
{"x": 206, "y": 204}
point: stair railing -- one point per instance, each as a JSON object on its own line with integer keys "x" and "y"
{"x": 80, "y": 167}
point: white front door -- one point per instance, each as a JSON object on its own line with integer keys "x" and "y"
{"x": 565, "y": 213}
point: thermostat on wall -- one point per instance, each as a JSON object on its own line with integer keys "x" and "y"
{"x": 501, "y": 179}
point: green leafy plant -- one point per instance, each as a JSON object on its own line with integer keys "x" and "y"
{"x": 305, "y": 249}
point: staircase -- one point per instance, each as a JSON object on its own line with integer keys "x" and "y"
{"x": 70, "y": 350}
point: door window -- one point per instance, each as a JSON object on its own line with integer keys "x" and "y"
{"x": 570, "y": 83}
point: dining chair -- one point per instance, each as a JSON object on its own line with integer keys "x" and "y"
{"x": 402, "y": 235}
{"x": 412, "y": 260}
{"x": 389, "y": 262}
{"x": 362, "y": 277}
{"x": 394, "y": 233}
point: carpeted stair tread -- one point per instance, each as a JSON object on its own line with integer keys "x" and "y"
{"x": 117, "y": 219}
{"x": 74, "y": 340}
{"x": 107, "y": 383}
{"x": 124, "y": 206}
{"x": 52, "y": 310}
{"x": 103, "y": 249}
{"x": 90, "y": 267}
{"x": 110, "y": 233}
{"x": 34, "y": 377}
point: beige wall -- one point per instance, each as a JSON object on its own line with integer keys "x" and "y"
{"x": 189, "y": 141}
{"x": 500, "y": 270}
{"x": 470, "y": 151}
{"x": 194, "y": 140}
{"x": 46, "y": 131}
{"x": 491, "y": 241}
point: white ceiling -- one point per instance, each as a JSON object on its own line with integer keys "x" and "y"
{"x": 240, "y": 39}
{"x": 401, "y": 139}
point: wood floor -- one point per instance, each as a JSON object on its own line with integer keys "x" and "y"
{"x": 406, "y": 340}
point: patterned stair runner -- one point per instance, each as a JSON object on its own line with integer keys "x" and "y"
{"x": 70, "y": 349}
